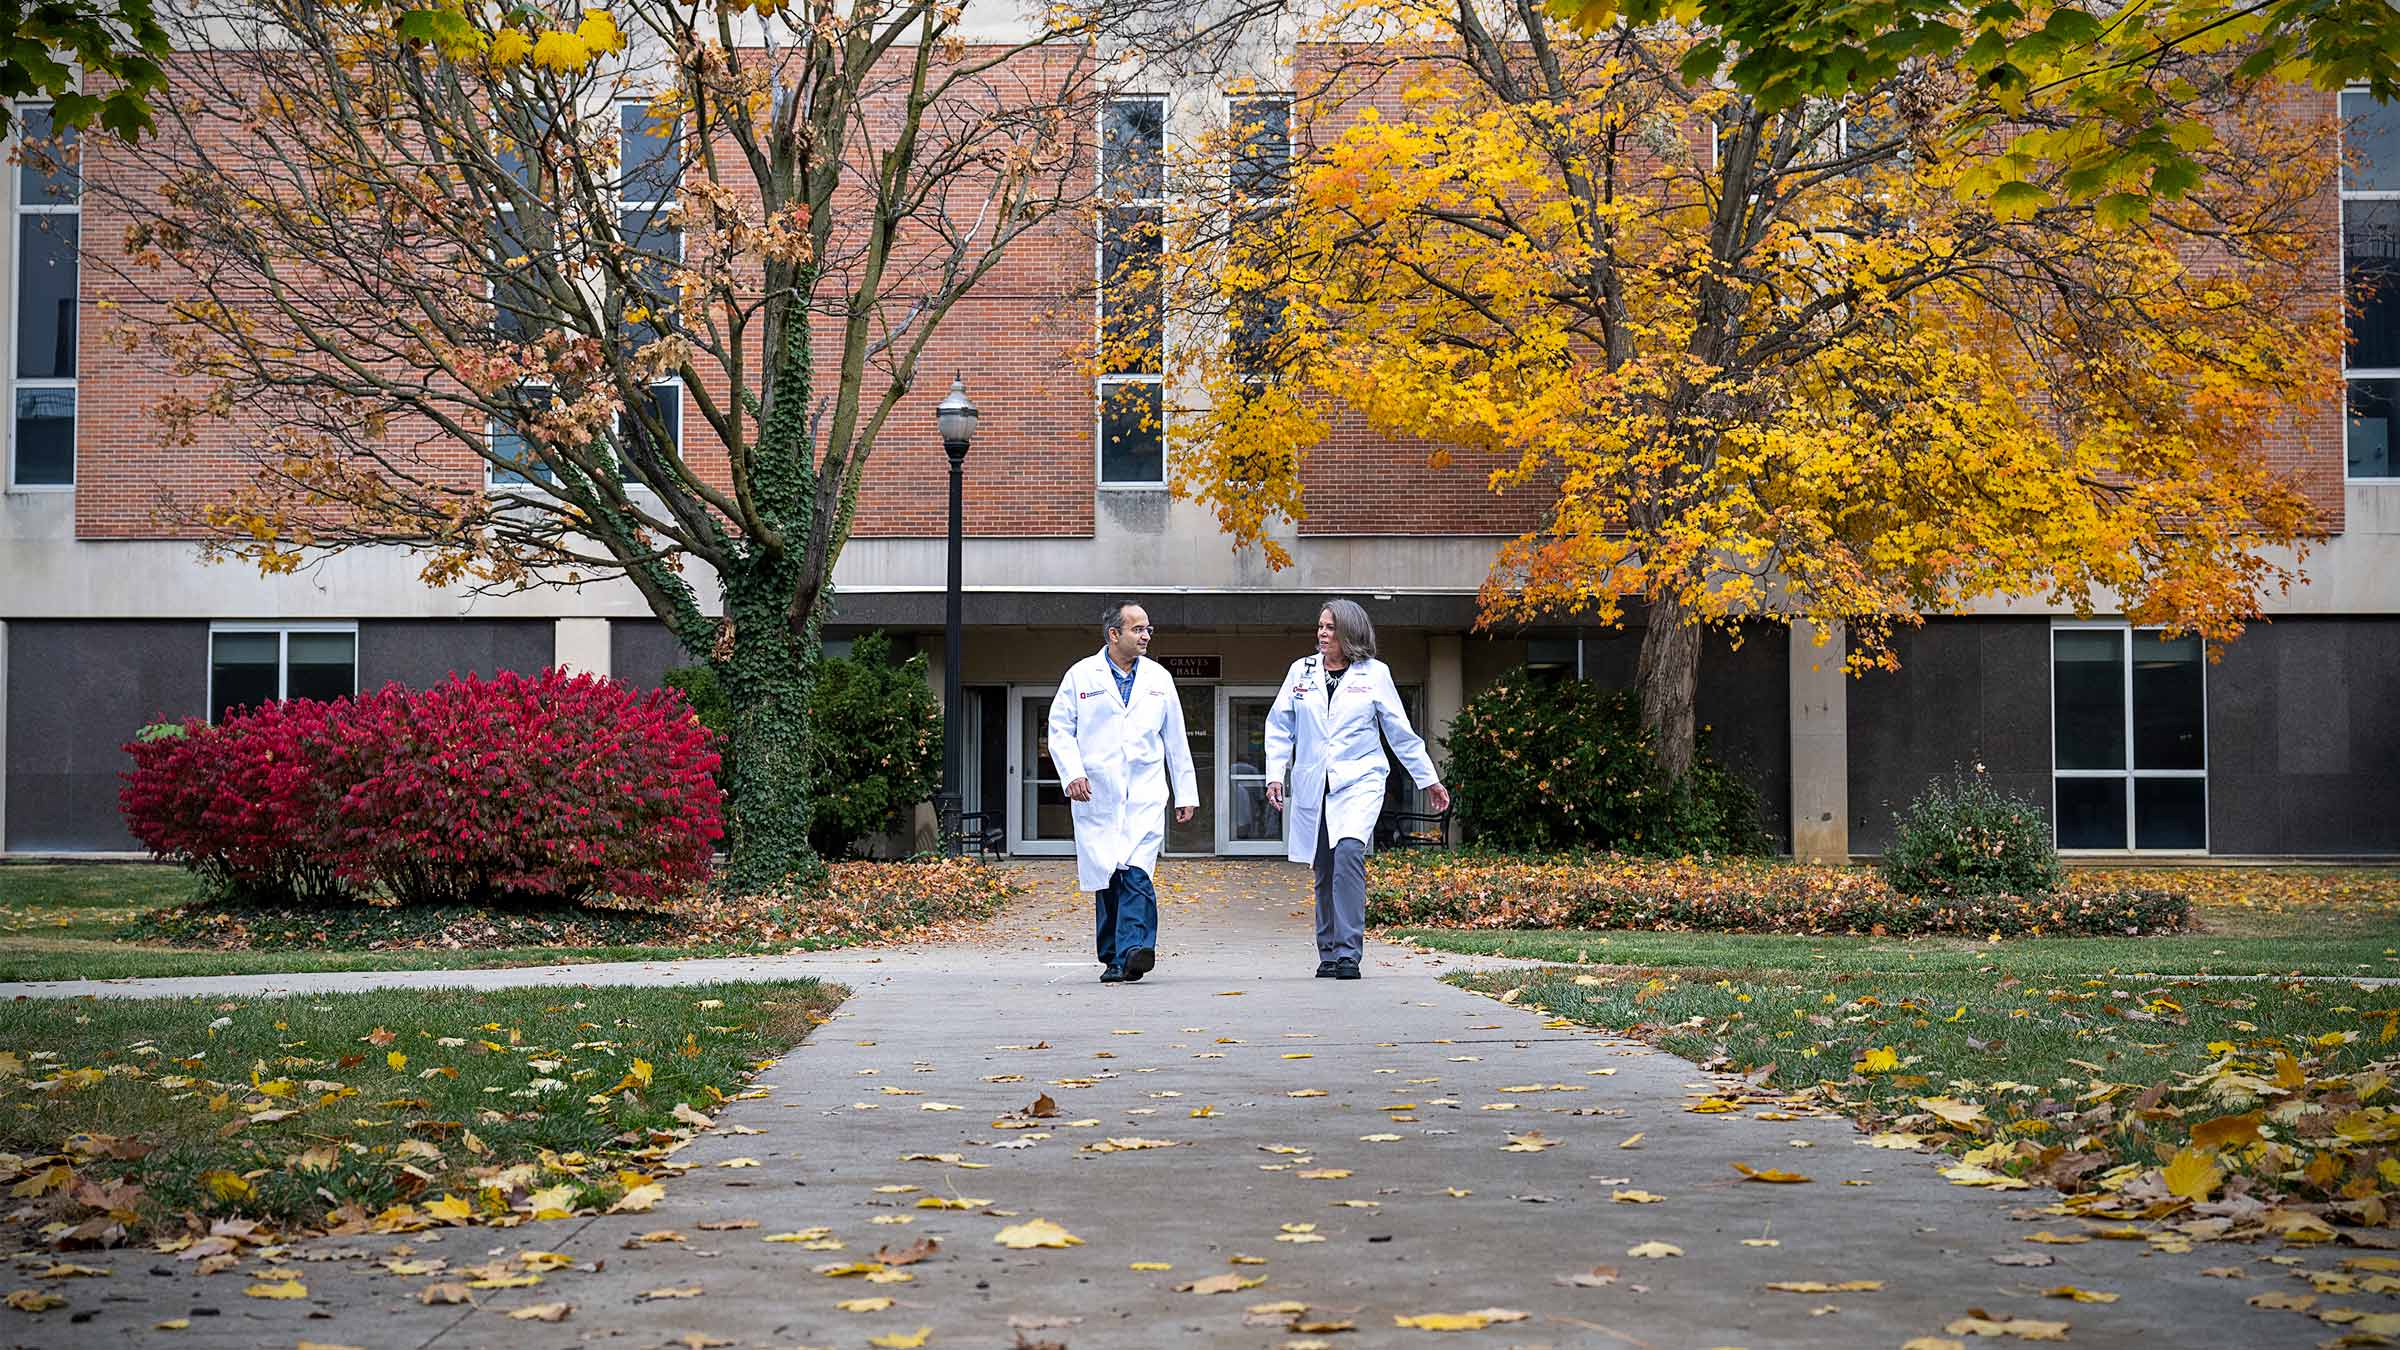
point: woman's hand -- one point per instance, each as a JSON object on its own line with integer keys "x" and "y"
{"x": 1275, "y": 795}
{"x": 1439, "y": 796}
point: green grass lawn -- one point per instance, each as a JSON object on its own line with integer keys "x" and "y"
{"x": 2053, "y": 1061}
{"x": 284, "y": 1109}
{"x": 2025, "y": 958}
{"x": 64, "y": 921}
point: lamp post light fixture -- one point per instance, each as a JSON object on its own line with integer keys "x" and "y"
{"x": 957, "y": 415}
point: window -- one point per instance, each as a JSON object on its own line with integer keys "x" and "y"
{"x": 2371, "y": 278}
{"x": 49, "y": 227}
{"x": 251, "y": 664}
{"x": 1132, "y": 392}
{"x": 650, "y": 190}
{"x": 1262, "y": 184}
{"x": 2130, "y": 739}
{"x": 509, "y": 440}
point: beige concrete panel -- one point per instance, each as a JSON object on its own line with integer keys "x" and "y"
{"x": 581, "y": 645}
{"x": 1820, "y": 731}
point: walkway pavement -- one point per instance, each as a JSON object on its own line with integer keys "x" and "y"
{"x": 1293, "y": 1168}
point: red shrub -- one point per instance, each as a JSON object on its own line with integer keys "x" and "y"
{"x": 554, "y": 785}
{"x": 549, "y": 787}
{"x": 247, "y": 803}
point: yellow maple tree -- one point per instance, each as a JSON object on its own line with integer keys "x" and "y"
{"x": 1798, "y": 364}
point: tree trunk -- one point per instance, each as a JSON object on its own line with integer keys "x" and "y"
{"x": 1668, "y": 678}
{"x": 768, "y": 670}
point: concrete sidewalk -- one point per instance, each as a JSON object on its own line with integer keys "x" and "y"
{"x": 1280, "y": 1096}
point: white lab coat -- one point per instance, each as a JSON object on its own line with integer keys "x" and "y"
{"x": 1127, "y": 749}
{"x": 1335, "y": 756}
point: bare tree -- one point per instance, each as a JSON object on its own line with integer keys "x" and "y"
{"x": 555, "y": 296}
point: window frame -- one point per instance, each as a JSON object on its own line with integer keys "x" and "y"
{"x": 2131, "y": 774}
{"x": 19, "y": 217}
{"x": 2344, "y": 194}
{"x": 283, "y": 630}
{"x": 1102, "y": 384}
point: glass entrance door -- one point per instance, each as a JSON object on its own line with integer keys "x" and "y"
{"x": 1199, "y": 834}
{"x": 1245, "y": 823}
{"x": 1039, "y": 819}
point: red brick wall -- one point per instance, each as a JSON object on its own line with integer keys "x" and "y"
{"x": 1032, "y": 470}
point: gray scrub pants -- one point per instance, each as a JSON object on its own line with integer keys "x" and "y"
{"x": 1341, "y": 896}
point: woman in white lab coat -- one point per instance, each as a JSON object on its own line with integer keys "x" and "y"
{"x": 1336, "y": 708}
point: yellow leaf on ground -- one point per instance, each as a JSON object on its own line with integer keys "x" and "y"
{"x": 1151, "y": 1265}
{"x": 1228, "y": 1283}
{"x": 2192, "y": 1174}
{"x": 1323, "y": 1174}
{"x": 1036, "y": 1233}
{"x": 671, "y": 1291}
{"x": 34, "y": 1300}
{"x": 542, "y": 1312}
{"x": 1652, "y": 1251}
{"x": 1965, "y": 1115}
{"x": 451, "y": 1209}
{"x": 876, "y": 1304}
{"x": 2023, "y": 1328}
{"x": 1635, "y": 1197}
{"x": 1822, "y": 1287}
{"x": 2079, "y": 1295}
{"x": 899, "y": 1340}
{"x": 1881, "y": 1059}
{"x": 639, "y": 1199}
{"x": 278, "y": 1289}
{"x": 1775, "y": 1175}
{"x": 1466, "y": 1321}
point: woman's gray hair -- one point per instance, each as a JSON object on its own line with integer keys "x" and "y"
{"x": 1352, "y": 628}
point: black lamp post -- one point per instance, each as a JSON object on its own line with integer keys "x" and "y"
{"x": 957, "y": 414}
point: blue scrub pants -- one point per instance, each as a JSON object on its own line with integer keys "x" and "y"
{"x": 1126, "y": 914}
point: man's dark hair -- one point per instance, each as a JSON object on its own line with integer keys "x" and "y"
{"x": 1113, "y": 617}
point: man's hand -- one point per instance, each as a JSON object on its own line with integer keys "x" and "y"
{"x": 1080, "y": 790}
{"x": 1275, "y": 795}
{"x": 1183, "y": 814}
{"x": 1439, "y": 796}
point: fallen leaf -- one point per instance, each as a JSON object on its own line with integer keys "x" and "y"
{"x": 1036, "y": 1233}
{"x": 670, "y": 1291}
{"x": 1775, "y": 1175}
{"x": 2023, "y": 1328}
{"x": 902, "y": 1340}
{"x": 1228, "y": 1283}
{"x": 1466, "y": 1321}
{"x": 280, "y": 1289}
{"x": 864, "y": 1305}
{"x": 1822, "y": 1287}
{"x": 542, "y": 1312}
{"x": 1635, "y": 1197}
{"x": 1652, "y": 1251}
{"x": 434, "y": 1295}
{"x": 2079, "y": 1295}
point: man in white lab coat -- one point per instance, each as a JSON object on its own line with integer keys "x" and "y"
{"x": 1116, "y": 734}
{"x": 1336, "y": 709}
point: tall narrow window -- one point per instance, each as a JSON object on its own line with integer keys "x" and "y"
{"x": 2371, "y": 279}
{"x": 650, "y": 191}
{"x": 1262, "y": 184}
{"x": 49, "y": 227}
{"x": 1132, "y": 389}
{"x": 2130, "y": 740}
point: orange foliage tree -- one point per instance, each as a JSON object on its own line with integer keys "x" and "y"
{"x": 1810, "y": 364}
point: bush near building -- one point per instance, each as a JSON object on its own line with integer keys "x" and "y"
{"x": 1964, "y": 837}
{"x": 1542, "y": 764}
{"x": 553, "y": 788}
{"x": 1731, "y": 896}
{"x": 875, "y": 739}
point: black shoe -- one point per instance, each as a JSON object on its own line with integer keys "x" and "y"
{"x": 1345, "y": 970}
{"x": 1325, "y": 969}
{"x": 1139, "y": 962}
{"x": 1113, "y": 975}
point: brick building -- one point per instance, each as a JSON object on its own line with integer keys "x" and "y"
{"x": 2289, "y": 746}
